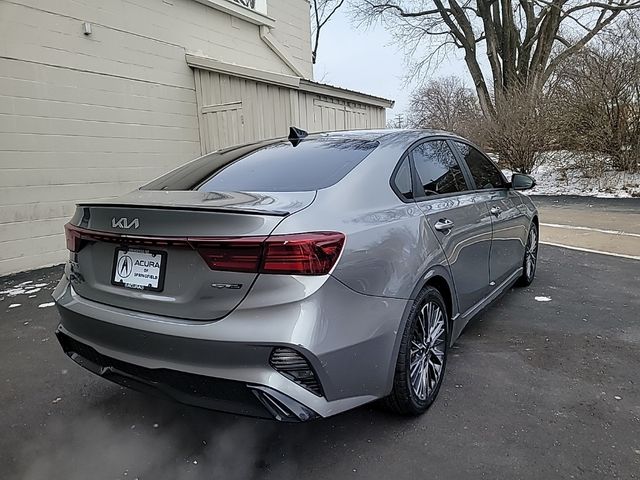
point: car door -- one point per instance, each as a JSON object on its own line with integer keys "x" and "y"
{"x": 508, "y": 219}
{"x": 461, "y": 224}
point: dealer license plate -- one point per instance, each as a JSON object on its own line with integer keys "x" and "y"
{"x": 139, "y": 269}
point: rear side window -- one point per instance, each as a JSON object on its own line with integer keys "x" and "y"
{"x": 280, "y": 167}
{"x": 438, "y": 168}
{"x": 402, "y": 180}
{"x": 485, "y": 174}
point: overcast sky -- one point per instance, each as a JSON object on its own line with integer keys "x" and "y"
{"x": 368, "y": 61}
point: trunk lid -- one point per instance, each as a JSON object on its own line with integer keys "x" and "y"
{"x": 157, "y": 231}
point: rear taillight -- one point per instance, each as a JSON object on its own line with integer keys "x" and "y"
{"x": 72, "y": 235}
{"x": 302, "y": 253}
{"x": 295, "y": 254}
{"x": 234, "y": 255}
{"x": 312, "y": 253}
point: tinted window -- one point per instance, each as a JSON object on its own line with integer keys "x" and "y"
{"x": 277, "y": 167}
{"x": 402, "y": 180}
{"x": 485, "y": 174}
{"x": 438, "y": 168}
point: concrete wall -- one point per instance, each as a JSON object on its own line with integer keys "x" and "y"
{"x": 87, "y": 117}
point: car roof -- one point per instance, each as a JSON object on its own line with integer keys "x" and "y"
{"x": 399, "y": 138}
{"x": 384, "y": 136}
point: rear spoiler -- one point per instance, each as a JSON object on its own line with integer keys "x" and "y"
{"x": 279, "y": 204}
{"x": 248, "y": 211}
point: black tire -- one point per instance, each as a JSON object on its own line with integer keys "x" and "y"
{"x": 404, "y": 399}
{"x": 530, "y": 255}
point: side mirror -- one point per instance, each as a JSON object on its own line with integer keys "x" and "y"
{"x": 520, "y": 181}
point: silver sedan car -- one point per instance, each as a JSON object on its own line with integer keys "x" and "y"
{"x": 296, "y": 278}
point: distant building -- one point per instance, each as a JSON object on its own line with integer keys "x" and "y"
{"x": 98, "y": 97}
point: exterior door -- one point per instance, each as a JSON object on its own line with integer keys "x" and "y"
{"x": 224, "y": 124}
{"x": 509, "y": 224}
{"x": 462, "y": 225}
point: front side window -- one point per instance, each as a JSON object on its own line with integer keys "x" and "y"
{"x": 438, "y": 168}
{"x": 485, "y": 174}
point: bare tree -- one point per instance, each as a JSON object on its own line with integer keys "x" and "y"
{"x": 321, "y": 13}
{"x": 447, "y": 104}
{"x": 522, "y": 129}
{"x": 524, "y": 40}
{"x": 598, "y": 102}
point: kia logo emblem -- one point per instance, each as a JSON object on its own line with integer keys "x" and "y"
{"x": 124, "y": 223}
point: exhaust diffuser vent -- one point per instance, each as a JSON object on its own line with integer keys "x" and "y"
{"x": 295, "y": 367}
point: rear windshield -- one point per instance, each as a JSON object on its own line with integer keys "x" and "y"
{"x": 279, "y": 167}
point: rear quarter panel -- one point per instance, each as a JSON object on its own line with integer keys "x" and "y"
{"x": 389, "y": 254}
{"x": 389, "y": 245}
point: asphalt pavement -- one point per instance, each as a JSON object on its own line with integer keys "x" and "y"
{"x": 543, "y": 384}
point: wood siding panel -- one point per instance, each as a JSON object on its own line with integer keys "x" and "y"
{"x": 267, "y": 111}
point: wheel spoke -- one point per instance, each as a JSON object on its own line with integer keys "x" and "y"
{"x": 423, "y": 331}
{"x": 415, "y": 362}
{"x": 422, "y": 384}
{"x": 427, "y": 322}
{"x": 437, "y": 354}
{"x": 438, "y": 329}
{"x": 416, "y": 374}
{"x": 437, "y": 368}
{"x": 427, "y": 379}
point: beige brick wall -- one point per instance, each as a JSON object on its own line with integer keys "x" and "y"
{"x": 87, "y": 117}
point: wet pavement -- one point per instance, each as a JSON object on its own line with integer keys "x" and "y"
{"x": 543, "y": 384}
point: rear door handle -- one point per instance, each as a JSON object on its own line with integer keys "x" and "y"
{"x": 443, "y": 224}
{"x": 495, "y": 211}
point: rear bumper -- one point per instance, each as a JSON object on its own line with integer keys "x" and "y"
{"x": 198, "y": 390}
{"x": 224, "y": 365}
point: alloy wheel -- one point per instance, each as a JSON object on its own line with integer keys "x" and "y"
{"x": 531, "y": 253}
{"x": 427, "y": 354}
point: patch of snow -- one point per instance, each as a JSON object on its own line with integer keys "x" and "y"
{"x": 45, "y": 305}
{"x": 617, "y": 397}
{"x": 543, "y": 299}
{"x": 14, "y": 291}
{"x": 559, "y": 174}
{"x": 14, "y": 305}
{"x": 56, "y": 400}
{"x": 24, "y": 288}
